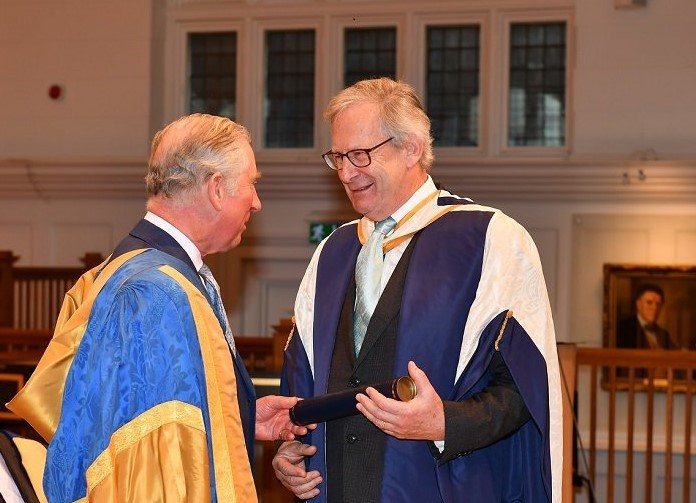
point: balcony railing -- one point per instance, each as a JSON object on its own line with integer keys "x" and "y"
{"x": 634, "y": 423}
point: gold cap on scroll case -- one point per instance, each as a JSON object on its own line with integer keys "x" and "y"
{"x": 404, "y": 389}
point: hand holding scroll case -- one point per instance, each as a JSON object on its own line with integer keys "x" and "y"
{"x": 342, "y": 404}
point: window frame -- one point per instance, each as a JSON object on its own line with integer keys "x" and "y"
{"x": 250, "y": 22}
{"x": 483, "y": 21}
{"x": 256, "y": 94}
{"x": 262, "y": 88}
{"x": 176, "y": 89}
{"x": 507, "y": 19}
{"x": 338, "y": 26}
{"x": 187, "y": 88}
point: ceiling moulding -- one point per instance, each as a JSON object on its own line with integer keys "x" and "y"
{"x": 526, "y": 180}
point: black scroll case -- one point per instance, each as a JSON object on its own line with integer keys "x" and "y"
{"x": 342, "y": 403}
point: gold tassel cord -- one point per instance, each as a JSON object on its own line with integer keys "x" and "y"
{"x": 508, "y": 315}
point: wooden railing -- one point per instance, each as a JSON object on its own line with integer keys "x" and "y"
{"x": 22, "y": 346}
{"x": 30, "y": 297}
{"x": 635, "y": 416}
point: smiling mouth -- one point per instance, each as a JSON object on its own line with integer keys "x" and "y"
{"x": 360, "y": 189}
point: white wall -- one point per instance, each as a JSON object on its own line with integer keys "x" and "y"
{"x": 99, "y": 52}
{"x": 634, "y": 79}
{"x": 58, "y": 233}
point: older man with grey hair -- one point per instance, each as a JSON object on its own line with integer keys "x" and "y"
{"x": 142, "y": 394}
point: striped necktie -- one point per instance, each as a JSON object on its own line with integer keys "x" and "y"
{"x": 368, "y": 277}
{"x": 214, "y": 292}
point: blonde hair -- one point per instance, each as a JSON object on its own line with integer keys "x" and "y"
{"x": 400, "y": 111}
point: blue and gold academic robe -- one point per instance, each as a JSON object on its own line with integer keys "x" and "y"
{"x": 137, "y": 391}
{"x": 470, "y": 267}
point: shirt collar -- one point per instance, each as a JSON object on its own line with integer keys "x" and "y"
{"x": 191, "y": 250}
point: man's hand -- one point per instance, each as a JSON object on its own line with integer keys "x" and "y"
{"x": 422, "y": 418}
{"x": 273, "y": 419}
{"x": 289, "y": 466}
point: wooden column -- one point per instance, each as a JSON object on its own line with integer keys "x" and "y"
{"x": 7, "y": 260}
{"x": 566, "y": 357}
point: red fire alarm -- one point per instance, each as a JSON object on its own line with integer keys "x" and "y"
{"x": 55, "y": 91}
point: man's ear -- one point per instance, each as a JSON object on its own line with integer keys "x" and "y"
{"x": 413, "y": 150}
{"x": 216, "y": 190}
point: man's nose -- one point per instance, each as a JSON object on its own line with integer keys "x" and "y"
{"x": 347, "y": 170}
{"x": 256, "y": 201}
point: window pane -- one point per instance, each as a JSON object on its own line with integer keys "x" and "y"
{"x": 289, "y": 100}
{"x": 537, "y": 84}
{"x": 369, "y": 53}
{"x": 212, "y": 75}
{"x": 452, "y": 84}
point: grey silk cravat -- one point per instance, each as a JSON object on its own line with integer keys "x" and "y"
{"x": 368, "y": 275}
{"x": 214, "y": 291}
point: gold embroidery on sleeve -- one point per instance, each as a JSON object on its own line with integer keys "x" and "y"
{"x": 135, "y": 430}
{"x": 292, "y": 331}
{"x": 508, "y": 315}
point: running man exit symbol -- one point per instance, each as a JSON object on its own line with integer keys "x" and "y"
{"x": 319, "y": 230}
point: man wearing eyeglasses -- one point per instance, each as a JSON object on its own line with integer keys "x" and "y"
{"x": 461, "y": 308}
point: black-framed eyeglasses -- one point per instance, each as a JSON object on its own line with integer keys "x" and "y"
{"x": 359, "y": 157}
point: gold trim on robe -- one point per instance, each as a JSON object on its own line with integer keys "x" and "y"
{"x": 233, "y": 476}
{"x": 39, "y": 402}
{"x": 144, "y": 460}
{"x": 407, "y": 226}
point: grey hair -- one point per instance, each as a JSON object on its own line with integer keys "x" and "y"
{"x": 400, "y": 110}
{"x": 187, "y": 152}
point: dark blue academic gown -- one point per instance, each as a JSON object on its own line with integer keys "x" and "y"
{"x": 438, "y": 294}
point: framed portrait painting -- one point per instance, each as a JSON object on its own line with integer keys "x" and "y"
{"x": 649, "y": 306}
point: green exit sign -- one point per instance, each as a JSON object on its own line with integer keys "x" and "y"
{"x": 319, "y": 230}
